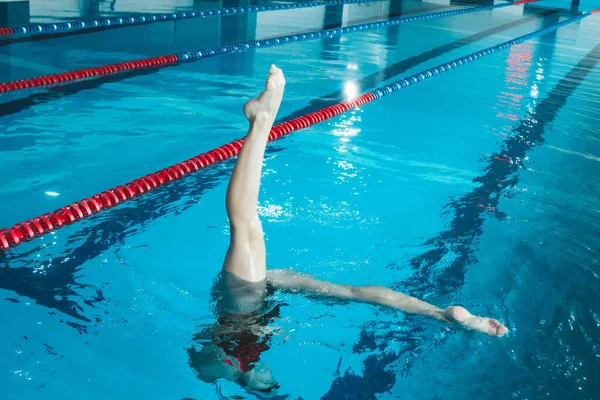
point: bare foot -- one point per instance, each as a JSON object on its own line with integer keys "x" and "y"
{"x": 486, "y": 325}
{"x": 264, "y": 108}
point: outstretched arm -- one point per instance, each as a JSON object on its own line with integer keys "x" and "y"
{"x": 293, "y": 282}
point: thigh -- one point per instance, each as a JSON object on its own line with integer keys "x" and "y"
{"x": 236, "y": 297}
{"x": 246, "y": 256}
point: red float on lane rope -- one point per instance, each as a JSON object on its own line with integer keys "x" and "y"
{"x": 86, "y": 73}
{"x": 525, "y": 2}
{"x": 79, "y": 210}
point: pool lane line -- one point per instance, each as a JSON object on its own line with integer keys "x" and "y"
{"x": 49, "y": 222}
{"x": 56, "y": 35}
{"x": 192, "y": 56}
{"x": 79, "y": 26}
{"x": 465, "y": 228}
{"x": 57, "y": 91}
{"x": 500, "y": 172}
{"x": 23, "y": 39}
{"x": 369, "y": 81}
{"x": 392, "y": 71}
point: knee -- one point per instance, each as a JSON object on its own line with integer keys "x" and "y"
{"x": 250, "y": 230}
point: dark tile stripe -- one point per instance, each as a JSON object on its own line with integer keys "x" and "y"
{"x": 464, "y": 231}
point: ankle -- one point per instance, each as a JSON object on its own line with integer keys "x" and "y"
{"x": 444, "y": 315}
{"x": 262, "y": 119}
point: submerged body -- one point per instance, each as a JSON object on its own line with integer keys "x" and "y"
{"x": 231, "y": 348}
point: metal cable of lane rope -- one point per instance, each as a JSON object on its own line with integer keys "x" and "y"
{"x": 192, "y": 56}
{"x": 39, "y": 226}
{"x": 123, "y": 21}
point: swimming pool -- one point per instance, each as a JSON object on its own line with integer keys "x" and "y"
{"x": 477, "y": 187}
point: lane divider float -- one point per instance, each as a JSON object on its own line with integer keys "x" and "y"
{"x": 192, "y": 56}
{"x": 77, "y": 26}
{"x": 49, "y": 222}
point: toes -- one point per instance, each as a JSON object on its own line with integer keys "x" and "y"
{"x": 275, "y": 77}
{"x": 275, "y": 81}
{"x": 486, "y": 325}
{"x": 276, "y": 73}
{"x": 497, "y": 328}
{"x": 494, "y": 325}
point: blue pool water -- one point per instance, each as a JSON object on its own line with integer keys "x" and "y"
{"x": 478, "y": 187}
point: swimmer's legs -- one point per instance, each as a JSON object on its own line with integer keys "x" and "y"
{"x": 246, "y": 257}
{"x": 290, "y": 281}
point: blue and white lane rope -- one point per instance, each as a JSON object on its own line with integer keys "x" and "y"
{"x": 191, "y": 56}
{"x": 430, "y": 73}
{"x": 116, "y": 22}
